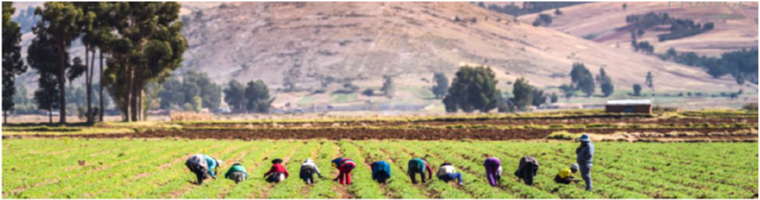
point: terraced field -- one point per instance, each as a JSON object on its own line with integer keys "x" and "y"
{"x": 154, "y": 168}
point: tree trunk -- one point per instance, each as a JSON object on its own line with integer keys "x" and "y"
{"x": 128, "y": 112}
{"x": 5, "y": 117}
{"x": 133, "y": 101}
{"x": 62, "y": 83}
{"x": 88, "y": 81}
{"x": 102, "y": 108}
{"x": 50, "y": 115}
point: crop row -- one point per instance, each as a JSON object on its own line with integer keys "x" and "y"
{"x": 78, "y": 168}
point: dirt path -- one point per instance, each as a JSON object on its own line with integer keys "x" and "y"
{"x": 342, "y": 190}
{"x": 285, "y": 161}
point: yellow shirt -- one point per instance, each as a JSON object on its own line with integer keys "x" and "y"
{"x": 565, "y": 173}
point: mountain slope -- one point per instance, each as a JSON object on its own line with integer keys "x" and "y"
{"x": 249, "y": 41}
{"x": 735, "y": 24}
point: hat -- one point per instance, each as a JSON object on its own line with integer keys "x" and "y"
{"x": 574, "y": 166}
{"x": 584, "y": 138}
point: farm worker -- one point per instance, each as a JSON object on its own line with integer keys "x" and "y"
{"x": 236, "y": 173}
{"x": 585, "y": 159}
{"x": 381, "y": 171}
{"x": 308, "y": 169}
{"x": 203, "y": 166}
{"x": 277, "y": 173}
{"x": 527, "y": 169}
{"x": 447, "y": 173}
{"x": 345, "y": 166}
{"x": 566, "y": 176}
{"x": 419, "y": 165}
{"x": 493, "y": 170}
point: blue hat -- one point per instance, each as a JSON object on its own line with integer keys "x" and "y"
{"x": 584, "y": 138}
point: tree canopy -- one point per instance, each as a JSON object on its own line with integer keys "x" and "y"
{"x": 473, "y": 88}
{"x": 582, "y": 79}
{"x": 441, "y": 85}
{"x": 12, "y": 63}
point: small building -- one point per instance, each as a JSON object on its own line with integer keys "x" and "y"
{"x": 629, "y": 106}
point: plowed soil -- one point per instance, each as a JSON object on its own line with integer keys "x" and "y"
{"x": 513, "y": 121}
{"x": 401, "y": 134}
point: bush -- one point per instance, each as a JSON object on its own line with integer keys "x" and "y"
{"x": 368, "y": 92}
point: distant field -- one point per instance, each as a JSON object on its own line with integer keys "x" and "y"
{"x": 715, "y": 125}
{"x": 125, "y": 168}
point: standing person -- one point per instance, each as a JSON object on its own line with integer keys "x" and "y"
{"x": 203, "y": 166}
{"x": 381, "y": 171}
{"x": 567, "y": 176}
{"x": 277, "y": 173}
{"x": 308, "y": 169}
{"x": 585, "y": 159}
{"x": 527, "y": 169}
{"x": 236, "y": 173}
{"x": 447, "y": 173}
{"x": 345, "y": 166}
{"x": 419, "y": 166}
{"x": 493, "y": 170}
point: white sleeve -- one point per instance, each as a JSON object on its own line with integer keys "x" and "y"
{"x": 498, "y": 171}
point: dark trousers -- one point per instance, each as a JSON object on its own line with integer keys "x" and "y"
{"x": 308, "y": 178}
{"x": 558, "y": 179}
{"x": 237, "y": 177}
{"x": 527, "y": 173}
{"x": 274, "y": 178}
{"x": 382, "y": 177}
{"x": 199, "y": 171}
{"x": 451, "y": 176}
{"x": 586, "y": 174}
{"x": 412, "y": 174}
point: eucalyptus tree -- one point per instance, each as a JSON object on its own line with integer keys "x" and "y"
{"x": 59, "y": 23}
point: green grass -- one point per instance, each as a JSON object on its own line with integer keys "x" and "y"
{"x": 342, "y": 98}
{"x": 125, "y": 168}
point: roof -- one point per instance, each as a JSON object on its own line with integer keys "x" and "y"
{"x": 630, "y": 102}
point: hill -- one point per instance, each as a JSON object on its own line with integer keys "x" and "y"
{"x": 361, "y": 42}
{"x": 323, "y": 46}
{"x": 604, "y": 22}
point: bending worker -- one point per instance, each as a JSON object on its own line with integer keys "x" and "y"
{"x": 203, "y": 166}
{"x": 566, "y": 176}
{"x": 236, "y": 173}
{"x": 345, "y": 166}
{"x": 493, "y": 170}
{"x": 585, "y": 159}
{"x": 447, "y": 173}
{"x": 308, "y": 169}
{"x": 527, "y": 169}
{"x": 419, "y": 166}
{"x": 277, "y": 173}
{"x": 381, "y": 171}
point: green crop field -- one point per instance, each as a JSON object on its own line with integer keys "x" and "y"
{"x": 154, "y": 168}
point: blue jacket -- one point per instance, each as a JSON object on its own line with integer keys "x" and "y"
{"x": 380, "y": 167}
{"x": 585, "y": 154}
{"x": 211, "y": 165}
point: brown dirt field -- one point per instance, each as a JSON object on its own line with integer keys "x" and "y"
{"x": 514, "y": 121}
{"x": 405, "y": 134}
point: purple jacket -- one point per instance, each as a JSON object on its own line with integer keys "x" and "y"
{"x": 493, "y": 170}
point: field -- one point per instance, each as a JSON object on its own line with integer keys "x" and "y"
{"x": 705, "y": 154}
{"x": 124, "y": 168}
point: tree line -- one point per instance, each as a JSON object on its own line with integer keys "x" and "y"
{"x": 135, "y": 44}
{"x": 741, "y": 64}
{"x": 474, "y": 88}
{"x": 527, "y": 7}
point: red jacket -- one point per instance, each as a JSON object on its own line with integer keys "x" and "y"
{"x": 277, "y": 168}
